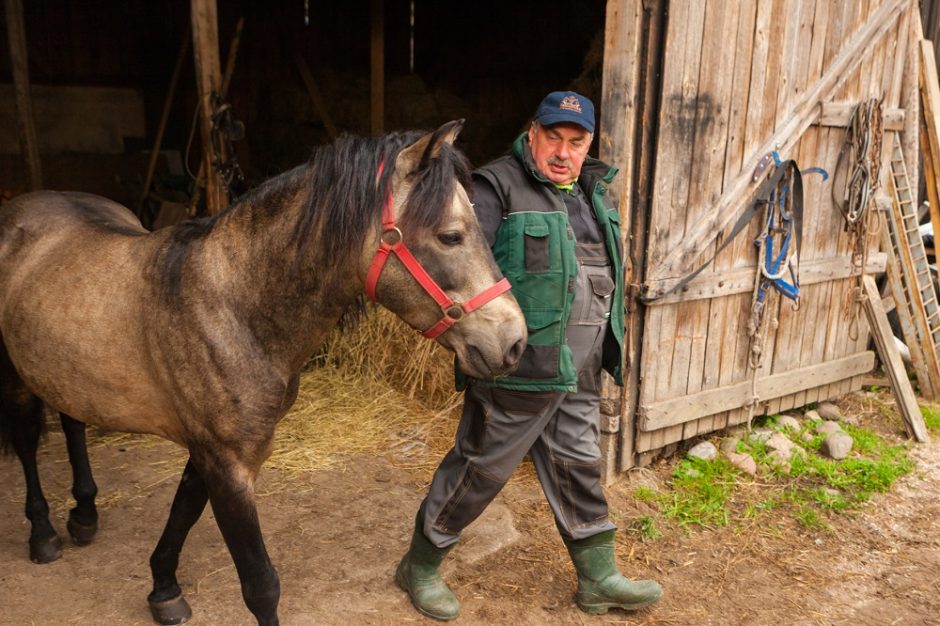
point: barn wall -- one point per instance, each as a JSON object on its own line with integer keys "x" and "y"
{"x": 737, "y": 80}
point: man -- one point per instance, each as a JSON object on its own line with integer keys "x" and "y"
{"x": 542, "y": 210}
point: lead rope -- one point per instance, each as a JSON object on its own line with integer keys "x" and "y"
{"x": 863, "y": 142}
{"x": 760, "y": 300}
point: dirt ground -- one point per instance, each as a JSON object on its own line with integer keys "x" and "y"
{"x": 336, "y": 536}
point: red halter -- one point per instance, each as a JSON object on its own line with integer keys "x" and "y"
{"x": 393, "y": 243}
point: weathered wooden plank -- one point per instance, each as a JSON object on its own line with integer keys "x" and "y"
{"x": 689, "y": 103}
{"x": 712, "y": 122}
{"x": 208, "y": 80}
{"x": 910, "y": 98}
{"x": 930, "y": 149}
{"x": 741, "y": 280}
{"x": 894, "y": 366}
{"x": 25, "y": 121}
{"x": 723, "y": 329}
{"x": 620, "y": 93}
{"x": 678, "y": 410}
{"x": 676, "y": 261}
{"x": 840, "y": 114}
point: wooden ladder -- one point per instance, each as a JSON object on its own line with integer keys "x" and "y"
{"x": 910, "y": 278}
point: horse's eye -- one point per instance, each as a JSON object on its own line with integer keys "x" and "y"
{"x": 451, "y": 238}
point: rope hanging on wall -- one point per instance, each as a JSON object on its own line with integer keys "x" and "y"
{"x": 860, "y": 178}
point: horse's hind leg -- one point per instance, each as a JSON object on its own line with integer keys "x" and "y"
{"x": 83, "y": 518}
{"x": 166, "y": 600}
{"x": 21, "y": 424}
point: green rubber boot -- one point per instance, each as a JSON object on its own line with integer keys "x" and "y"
{"x": 418, "y": 574}
{"x": 600, "y": 585}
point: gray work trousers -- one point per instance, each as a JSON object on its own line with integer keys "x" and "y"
{"x": 561, "y": 431}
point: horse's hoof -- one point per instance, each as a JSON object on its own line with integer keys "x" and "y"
{"x": 45, "y": 550}
{"x": 82, "y": 534}
{"x": 173, "y": 611}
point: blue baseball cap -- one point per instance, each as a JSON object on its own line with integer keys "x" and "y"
{"x": 566, "y": 106}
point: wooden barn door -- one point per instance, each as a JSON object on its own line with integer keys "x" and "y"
{"x": 737, "y": 80}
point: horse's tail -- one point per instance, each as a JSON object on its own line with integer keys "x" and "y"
{"x": 21, "y": 412}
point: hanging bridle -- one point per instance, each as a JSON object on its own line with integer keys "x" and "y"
{"x": 392, "y": 242}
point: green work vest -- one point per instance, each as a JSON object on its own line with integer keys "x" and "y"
{"x": 535, "y": 249}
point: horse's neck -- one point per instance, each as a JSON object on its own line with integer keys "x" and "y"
{"x": 290, "y": 298}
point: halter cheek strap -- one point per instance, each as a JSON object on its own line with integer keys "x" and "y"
{"x": 392, "y": 242}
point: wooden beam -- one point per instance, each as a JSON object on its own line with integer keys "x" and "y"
{"x": 25, "y": 122}
{"x": 840, "y": 114}
{"x": 730, "y": 282}
{"x": 892, "y": 363}
{"x": 208, "y": 81}
{"x": 681, "y": 259}
{"x": 930, "y": 129}
{"x": 694, "y": 406}
{"x": 377, "y": 58}
{"x": 620, "y": 102}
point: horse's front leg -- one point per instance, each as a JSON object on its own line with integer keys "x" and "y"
{"x": 232, "y": 494}
{"x": 166, "y": 600}
{"x": 83, "y": 518}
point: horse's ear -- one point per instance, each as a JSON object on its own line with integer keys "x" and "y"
{"x": 417, "y": 156}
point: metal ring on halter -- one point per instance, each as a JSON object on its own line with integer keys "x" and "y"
{"x": 396, "y": 238}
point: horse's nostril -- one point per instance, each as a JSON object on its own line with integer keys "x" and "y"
{"x": 515, "y": 352}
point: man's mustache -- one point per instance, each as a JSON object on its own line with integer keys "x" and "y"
{"x": 556, "y": 161}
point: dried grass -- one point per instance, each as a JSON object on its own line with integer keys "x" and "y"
{"x": 373, "y": 388}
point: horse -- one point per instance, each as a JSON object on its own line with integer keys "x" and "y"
{"x": 198, "y": 332}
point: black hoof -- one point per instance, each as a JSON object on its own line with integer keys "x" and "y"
{"x": 45, "y": 550}
{"x": 82, "y": 534}
{"x": 173, "y": 611}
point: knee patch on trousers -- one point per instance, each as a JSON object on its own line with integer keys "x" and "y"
{"x": 475, "y": 491}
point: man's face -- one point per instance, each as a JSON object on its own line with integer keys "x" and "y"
{"x": 559, "y": 150}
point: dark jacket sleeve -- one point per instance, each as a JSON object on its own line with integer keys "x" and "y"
{"x": 488, "y": 207}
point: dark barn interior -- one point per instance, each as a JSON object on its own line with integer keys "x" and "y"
{"x": 100, "y": 74}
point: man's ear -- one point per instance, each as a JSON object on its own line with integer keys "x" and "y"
{"x": 418, "y": 155}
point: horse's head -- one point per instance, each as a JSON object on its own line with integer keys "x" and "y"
{"x": 434, "y": 268}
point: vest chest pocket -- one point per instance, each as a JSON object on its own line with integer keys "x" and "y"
{"x": 537, "y": 250}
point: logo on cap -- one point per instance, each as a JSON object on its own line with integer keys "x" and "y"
{"x": 570, "y": 103}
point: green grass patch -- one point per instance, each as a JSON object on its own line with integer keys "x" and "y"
{"x": 931, "y": 417}
{"x": 699, "y": 493}
{"x": 710, "y": 494}
{"x": 645, "y": 528}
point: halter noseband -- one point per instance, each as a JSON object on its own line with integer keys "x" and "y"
{"x": 392, "y": 242}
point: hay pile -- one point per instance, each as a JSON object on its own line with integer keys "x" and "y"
{"x": 376, "y": 387}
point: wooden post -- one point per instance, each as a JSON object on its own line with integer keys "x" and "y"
{"x": 377, "y": 49}
{"x": 620, "y": 100}
{"x": 209, "y": 81}
{"x": 25, "y": 125}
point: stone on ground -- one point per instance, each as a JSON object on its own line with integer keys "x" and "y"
{"x": 837, "y": 445}
{"x": 729, "y": 445}
{"x": 743, "y": 462}
{"x": 704, "y": 450}
{"x": 788, "y": 422}
{"x": 812, "y": 414}
{"x": 828, "y": 427}
{"x": 829, "y": 411}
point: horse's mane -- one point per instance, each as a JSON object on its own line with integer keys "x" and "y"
{"x": 340, "y": 199}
